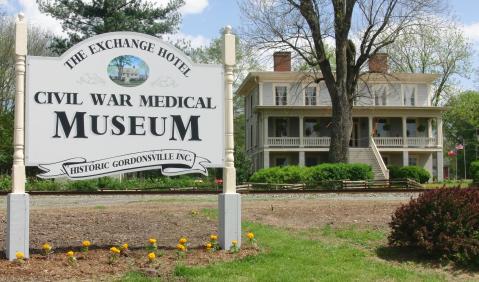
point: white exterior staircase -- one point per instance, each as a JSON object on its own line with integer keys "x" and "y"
{"x": 367, "y": 156}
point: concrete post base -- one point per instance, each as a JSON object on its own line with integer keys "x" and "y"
{"x": 229, "y": 208}
{"x": 18, "y": 219}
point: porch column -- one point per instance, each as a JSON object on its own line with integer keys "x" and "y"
{"x": 301, "y": 131}
{"x": 265, "y": 131}
{"x": 439, "y": 132}
{"x": 405, "y": 158}
{"x": 266, "y": 159}
{"x": 404, "y": 132}
{"x": 440, "y": 166}
{"x": 301, "y": 158}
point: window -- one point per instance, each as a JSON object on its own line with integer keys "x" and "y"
{"x": 382, "y": 128}
{"x": 281, "y": 127}
{"x": 281, "y": 161}
{"x": 411, "y": 127}
{"x": 310, "y": 96}
{"x": 311, "y": 127}
{"x": 412, "y": 160}
{"x": 251, "y": 137}
{"x": 409, "y": 95}
{"x": 380, "y": 95}
{"x": 311, "y": 161}
{"x": 281, "y": 95}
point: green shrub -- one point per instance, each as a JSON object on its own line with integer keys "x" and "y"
{"x": 5, "y": 183}
{"x": 360, "y": 172}
{"x": 441, "y": 223}
{"x": 416, "y": 173}
{"x": 276, "y": 175}
{"x": 474, "y": 168}
{"x": 394, "y": 171}
{"x": 83, "y": 185}
{"x": 313, "y": 175}
{"x": 44, "y": 185}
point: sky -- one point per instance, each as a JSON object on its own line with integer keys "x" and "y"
{"x": 203, "y": 19}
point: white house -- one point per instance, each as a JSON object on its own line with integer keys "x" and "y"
{"x": 130, "y": 73}
{"x": 394, "y": 122}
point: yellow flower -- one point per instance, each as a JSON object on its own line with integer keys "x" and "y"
{"x": 124, "y": 246}
{"x": 250, "y": 235}
{"x": 208, "y": 246}
{"x": 151, "y": 256}
{"x": 46, "y": 247}
{"x": 234, "y": 242}
{"x": 183, "y": 240}
{"x": 115, "y": 250}
{"x": 86, "y": 243}
{"x": 213, "y": 237}
{"x": 152, "y": 241}
{"x": 19, "y": 255}
{"x": 70, "y": 254}
{"x": 181, "y": 247}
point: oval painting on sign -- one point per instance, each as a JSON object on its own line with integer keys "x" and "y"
{"x": 128, "y": 71}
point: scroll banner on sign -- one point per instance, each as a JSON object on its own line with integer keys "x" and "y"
{"x": 170, "y": 161}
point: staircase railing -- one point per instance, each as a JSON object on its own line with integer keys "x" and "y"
{"x": 379, "y": 159}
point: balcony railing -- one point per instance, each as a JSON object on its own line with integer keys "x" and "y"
{"x": 316, "y": 141}
{"x": 381, "y": 142}
{"x": 283, "y": 141}
{"x": 419, "y": 142}
{"x": 389, "y": 141}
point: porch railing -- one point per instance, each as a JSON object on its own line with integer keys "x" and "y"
{"x": 283, "y": 141}
{"x": 419, "y": 142}
{"x": 316, "y": 141}
{"x": 422, "y": 142}
{"x": 388, "y": 141}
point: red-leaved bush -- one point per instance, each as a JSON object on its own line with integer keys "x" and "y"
{"x": 442, "y": 223}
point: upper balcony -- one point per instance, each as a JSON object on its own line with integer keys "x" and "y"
{"x": 315, "y": 132}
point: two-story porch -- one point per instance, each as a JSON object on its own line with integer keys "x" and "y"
{"x": 387, "y": 132}
{"x": 400, "y": 137}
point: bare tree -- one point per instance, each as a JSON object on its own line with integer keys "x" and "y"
{"x": 358, "y": 28}
{"x": 436, "y": 47}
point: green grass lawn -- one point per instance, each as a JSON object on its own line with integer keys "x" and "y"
{"x": 325, "y": 254}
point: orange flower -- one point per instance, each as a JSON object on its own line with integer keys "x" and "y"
{"x": 181, "y": 247}
{"x": 151, "y": 256}
{"x": 183, "y": 240}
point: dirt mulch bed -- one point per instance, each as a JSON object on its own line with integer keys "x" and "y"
{"x": 299, "y": 214}
{"x": 95, "y": 267}
{"x": 105, "y": 226}
{"x": 167, "y": 221}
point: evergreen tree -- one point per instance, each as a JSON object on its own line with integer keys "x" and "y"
{"x": 82, "y": 19}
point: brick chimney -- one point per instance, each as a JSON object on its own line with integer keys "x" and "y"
{"x": 379, "y": 63}
{"x": 282, "y": 61}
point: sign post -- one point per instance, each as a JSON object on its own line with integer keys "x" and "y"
{"x": 229, "y": 202}
{"x": 18, "y": 201}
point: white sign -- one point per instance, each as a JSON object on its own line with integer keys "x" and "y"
{"x": 122, "y": 102}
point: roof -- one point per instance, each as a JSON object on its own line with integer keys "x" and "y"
{"x": 254, "y": 78}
